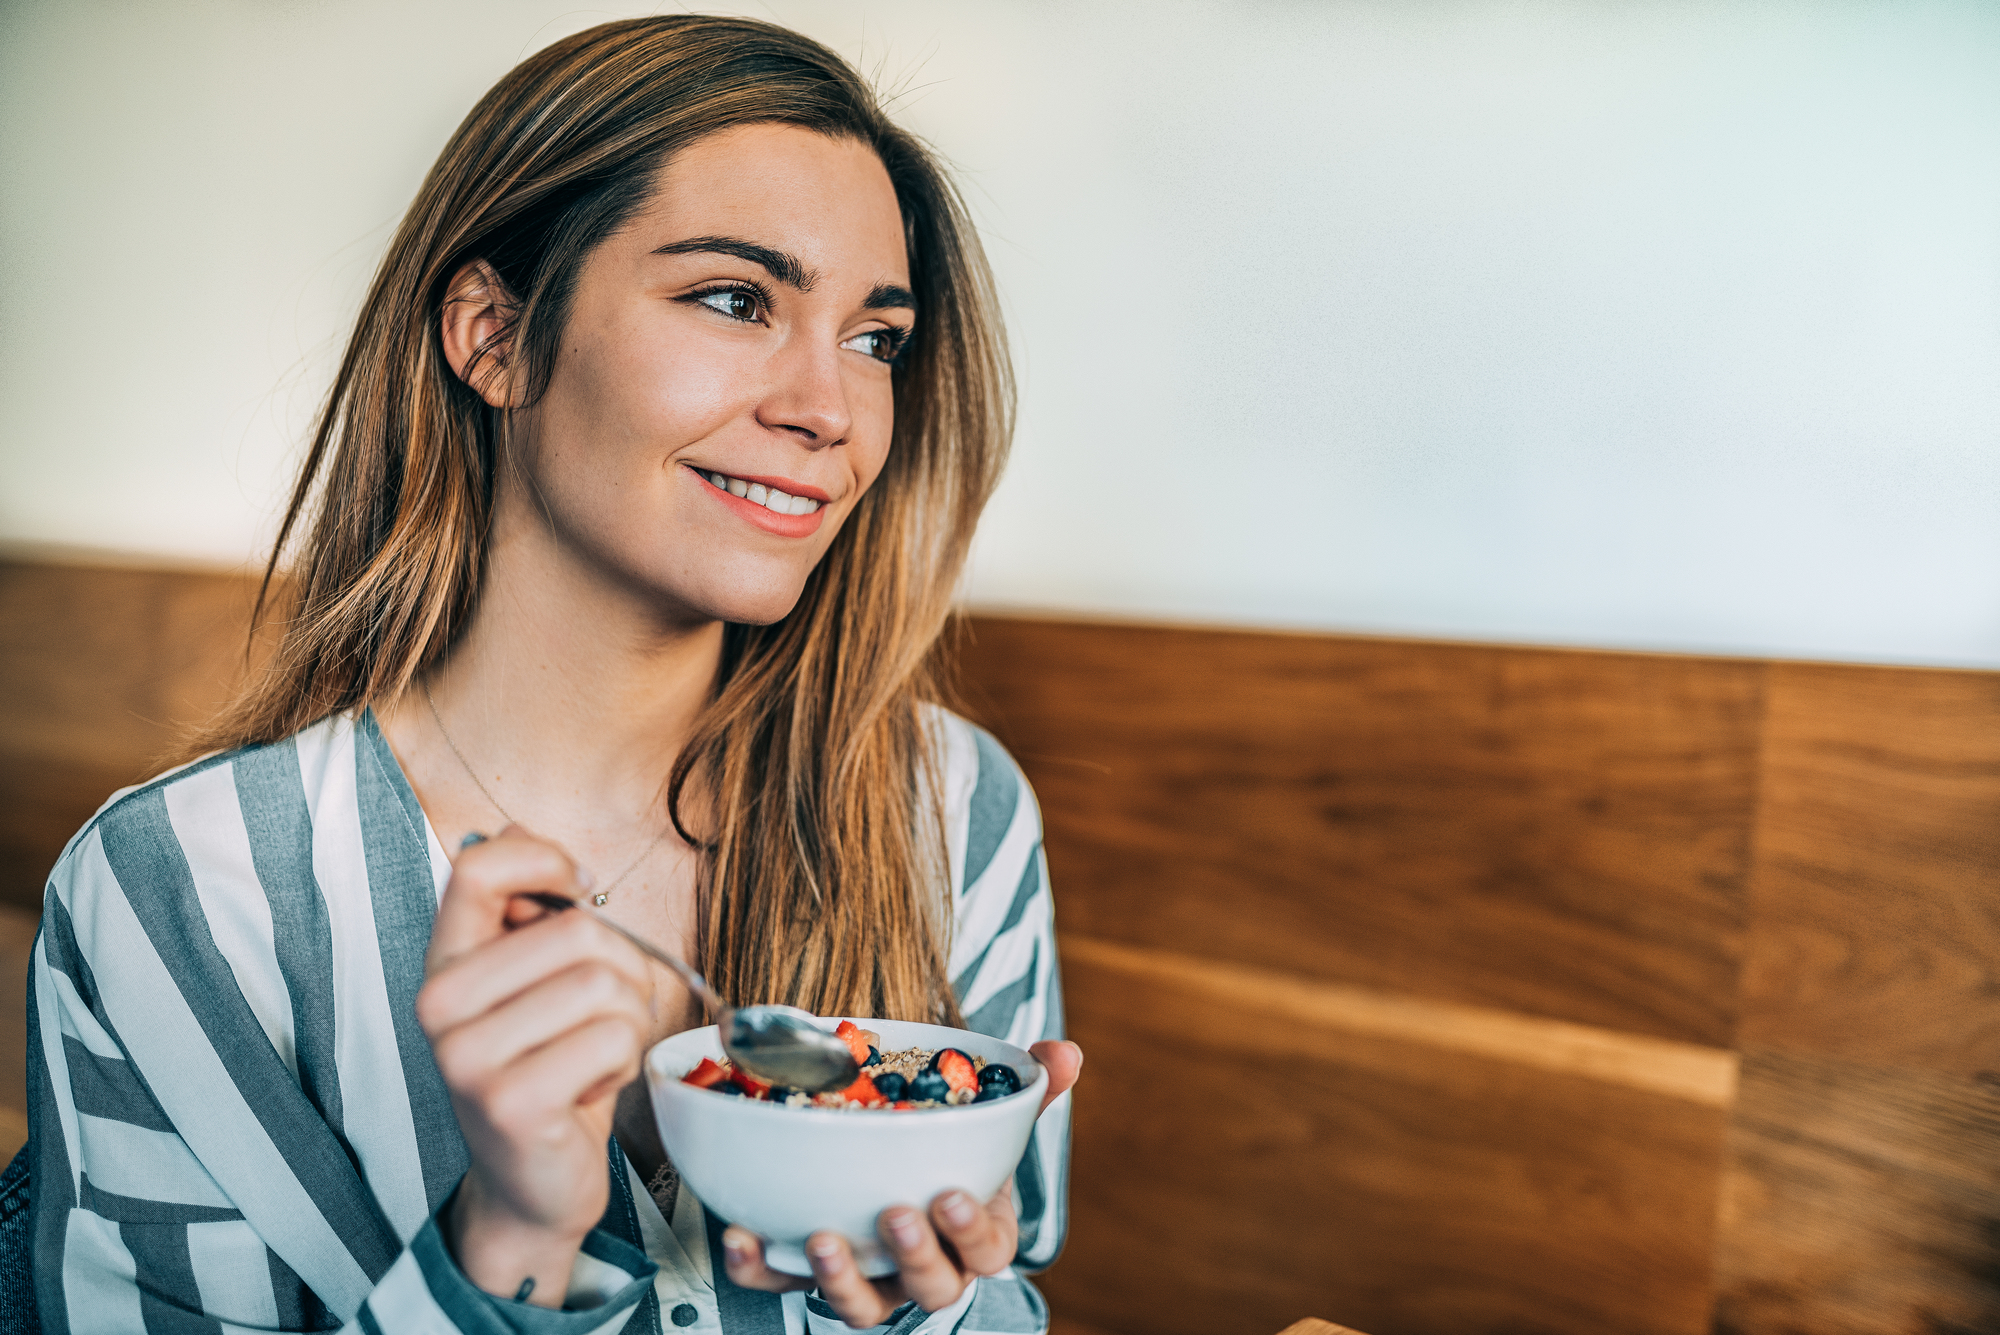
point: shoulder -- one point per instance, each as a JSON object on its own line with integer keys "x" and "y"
{"x": 992, "y": 822}
{"x": 204, "y": 821}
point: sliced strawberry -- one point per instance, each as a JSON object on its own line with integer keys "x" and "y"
{"x": 903, "y": 1105}
{"x": 863, "y": 1091}
{"x": 956, "y": 1068}
{"x": 705, "y": 1075}
{"x": 856, "y": 1039}
{"x": 752, "y": 1086}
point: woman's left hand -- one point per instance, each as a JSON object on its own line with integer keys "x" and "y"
{"x": 937, "y": 1254}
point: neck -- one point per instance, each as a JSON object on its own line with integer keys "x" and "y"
{"x": 570, "y": 693}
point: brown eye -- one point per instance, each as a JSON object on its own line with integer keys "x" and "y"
{"x": 735, "y": 302}
{"x": 881, "y": 344}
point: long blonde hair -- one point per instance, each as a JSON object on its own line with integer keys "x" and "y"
{"x": 823, "y": 862}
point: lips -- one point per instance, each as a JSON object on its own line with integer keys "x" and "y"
{"x": 757, "y": 493}
{"x": 765, "y": 504}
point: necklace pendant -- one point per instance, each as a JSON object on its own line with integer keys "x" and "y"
{"x": 599, "y": 899}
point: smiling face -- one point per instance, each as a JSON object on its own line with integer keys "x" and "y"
{"x": 722, "y": 396}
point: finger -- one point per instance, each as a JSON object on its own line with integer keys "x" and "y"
{"x": 982, "y": 1240}
{"x": 853, "y": 1297}
{"x": 534, "y": 1098}
{"x": 484, "y": 878}
{"x": 584, "y": 993}
{"x": 1001, "y": 1207}
{"x": 536, "y": 1130}
{"x": 479, "y": 980}
{"x": 928, "y": 1274}
{"x": 743, "y": 1259}
{"x": 1063, "y": 1061}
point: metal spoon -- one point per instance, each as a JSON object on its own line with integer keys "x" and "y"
{"x": 781, "y": 1044}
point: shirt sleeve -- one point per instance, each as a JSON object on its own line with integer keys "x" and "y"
{"x": 1003, "y": 959}
{"x": 182, "y": 1180}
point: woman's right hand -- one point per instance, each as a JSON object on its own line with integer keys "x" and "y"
{"x": 537, "y": 1020}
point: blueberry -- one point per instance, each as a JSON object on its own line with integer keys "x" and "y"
{"x": 1002, "y": 1078}
{"x": 874, "y": 1056}
{"x": 726, "y": 1087}
{"x": 779, "y": 1093}
{"x": 929, "y": 1086}
{"x": 891, "y": 1086}
{"x": 988, "y": 1093}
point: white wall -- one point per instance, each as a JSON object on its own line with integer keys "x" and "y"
{"x": 1669, "y": 325}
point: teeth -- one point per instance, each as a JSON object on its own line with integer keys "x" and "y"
{"x": 777, "y": 502}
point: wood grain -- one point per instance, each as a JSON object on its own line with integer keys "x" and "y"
{"x": 105, "y": 664}
{"x": 1659, "y": 1066}
{"x": 1859, "y": 1201}
{"x": 74, "y": 662}
{"x": 17, "y": 937}
{"x": 1314, "y": 1326}
{"x": 1563, "y": 834}
{"x": 1232, "y": 1173}
{"x": 1515, "y": 905}
{"x": 1876, "y": 899}
{"x": 43, "y": 801}
{"x": 100, "y": 669}
{"x": 1062, "y": 1325}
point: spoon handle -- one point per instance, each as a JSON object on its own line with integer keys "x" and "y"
{"x": 548, "y": 899}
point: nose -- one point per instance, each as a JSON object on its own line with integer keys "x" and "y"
{"x": 806, "y": 395}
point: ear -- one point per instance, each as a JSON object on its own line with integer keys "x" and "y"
{"x": 477, "y": 327}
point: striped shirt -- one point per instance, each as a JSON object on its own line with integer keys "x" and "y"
{"x": 237, "y": 1123}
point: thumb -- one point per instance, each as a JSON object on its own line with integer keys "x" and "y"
{"x": 1063, "y": 1060}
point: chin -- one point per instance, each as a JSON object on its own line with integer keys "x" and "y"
{"x": 747, "y": 606}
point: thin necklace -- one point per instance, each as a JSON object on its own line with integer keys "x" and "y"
{"x": 473, "y": 774}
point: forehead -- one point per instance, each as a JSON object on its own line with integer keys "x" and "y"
{"x": 827, "y": 201}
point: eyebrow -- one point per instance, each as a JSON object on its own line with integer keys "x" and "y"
{"x": 786, "y": 268}
{"x": 884, "y": 296}
{"x": 780, "y": 265}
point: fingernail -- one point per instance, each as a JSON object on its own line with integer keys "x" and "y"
{"x": 471, "y": 838}
{"x": 903, "y": 1228}
{"x": 584, "y": 879}
{"x": 825, "y": 1255}
{"x": 958, "y": 1209}
{"x": 736, "y": 1242}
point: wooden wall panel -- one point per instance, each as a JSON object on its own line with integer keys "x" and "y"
{"x": 1877, "y": 893}
{"x": 1561, "y": 833}
{"x": 17, "y": 937}
{"x": 1860, "y": 1201}
{"x": 43, "y": 801}
{"x": 100, "y": 668}
{"x": 1236, "y": 1169}
{"x": 1519, "y": 903}
{"x": 74, "y": 662}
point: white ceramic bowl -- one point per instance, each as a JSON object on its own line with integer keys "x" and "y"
{"x": 786, "y": 1173}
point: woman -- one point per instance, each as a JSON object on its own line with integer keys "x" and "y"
{"x": 630, "y": 529}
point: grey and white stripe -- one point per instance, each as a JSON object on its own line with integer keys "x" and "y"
{"x": 237, "y": 1124}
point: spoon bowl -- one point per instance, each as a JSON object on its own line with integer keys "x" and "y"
{"x": 781, "y": 1044}
{"x": 787, "y": 1046}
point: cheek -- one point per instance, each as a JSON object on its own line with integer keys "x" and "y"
{"x": 646, "y": 392}
{"x": 874, "y": 409}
